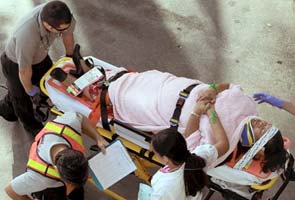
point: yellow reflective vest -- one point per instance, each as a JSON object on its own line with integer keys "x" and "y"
{"x": 37, "y": 164}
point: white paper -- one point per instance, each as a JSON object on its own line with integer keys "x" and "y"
{"x": 113, "y": 166}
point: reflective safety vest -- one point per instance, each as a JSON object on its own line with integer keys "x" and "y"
{"x": 37, "y": 164}
{"x": 254, "y": 167}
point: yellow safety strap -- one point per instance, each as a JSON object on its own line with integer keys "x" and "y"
{"x": 42, "y": 168}
{"x": 67, "y": 131}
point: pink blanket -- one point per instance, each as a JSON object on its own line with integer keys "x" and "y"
{"x": 147, "y": 101}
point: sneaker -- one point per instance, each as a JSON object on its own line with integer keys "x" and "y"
{"x": 6, "y": 112}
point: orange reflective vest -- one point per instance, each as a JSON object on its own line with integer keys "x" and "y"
{"x": 66, "y": 132}
{"x": 254, "y": 167}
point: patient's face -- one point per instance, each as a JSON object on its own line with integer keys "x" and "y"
{"x": 259, "y": 127}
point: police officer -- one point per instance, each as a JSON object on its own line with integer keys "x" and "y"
{"x": 25, "y": 59}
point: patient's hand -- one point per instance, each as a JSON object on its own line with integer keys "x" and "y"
{"x": 211, "y": 109}
{"x": 201, "y": 106}
{"x": 208, "y": 94}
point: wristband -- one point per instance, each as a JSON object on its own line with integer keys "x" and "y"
{"x": 213, "y": 116}
{"x": 195, "y": 114}
{"x": 213, "y": 86}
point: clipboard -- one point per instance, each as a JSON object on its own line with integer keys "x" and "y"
{"x": 106, "y": 170}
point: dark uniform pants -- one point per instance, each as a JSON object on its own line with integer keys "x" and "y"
{"x": 17, "y": 103}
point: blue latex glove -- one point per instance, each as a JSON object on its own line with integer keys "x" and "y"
{"x": 35, "y": 90}
{"x": 35, "y": 95}
{"x": 264, "y": 97}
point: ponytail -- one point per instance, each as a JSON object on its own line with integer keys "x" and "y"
{"x": 194, "y": 176}
{"x": 171, "y": 143}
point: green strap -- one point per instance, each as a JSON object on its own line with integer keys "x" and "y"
{"x": 213, "y": 86}
{"x": 213, "y": 116}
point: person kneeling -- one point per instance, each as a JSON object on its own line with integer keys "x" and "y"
{"x": 57, "y": 166}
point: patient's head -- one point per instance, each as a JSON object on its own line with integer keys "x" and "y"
{"x": 253, "y": 129}
{"x": 274, "y": 153}
{"x": 259, "y": 127}
{"x": 170, "y": 147}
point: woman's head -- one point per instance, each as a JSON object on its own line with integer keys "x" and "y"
{"x": 259, "y": 127}
{"x": 274, "y": 153}
{"x": 72, "y": 166}
{"x": 170, "y": 144}
{"x": 253, "y": 129}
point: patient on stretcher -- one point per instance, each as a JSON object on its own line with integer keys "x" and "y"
{"x": 147, "y": 100}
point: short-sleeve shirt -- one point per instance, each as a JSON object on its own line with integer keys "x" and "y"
{"x": 30, "y": 41}
{"x": 31, "y": 181}
{"x": 170, "y": 186}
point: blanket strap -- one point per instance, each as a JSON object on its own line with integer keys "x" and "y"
{"x": 103, "y": 105}
{"x": 183, "y": 95}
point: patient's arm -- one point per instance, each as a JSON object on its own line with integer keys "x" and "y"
{"x": 199, "y": 108}
{"x": 221, "y": 143}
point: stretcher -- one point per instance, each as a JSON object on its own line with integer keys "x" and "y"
{"x": 136, "y": 141}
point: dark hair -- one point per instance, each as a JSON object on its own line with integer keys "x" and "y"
{"x": 170, "y": 143}
{"x": 56, "y": 13}
{"x": 275, "y": 155}
{"x": 72, "y": 166}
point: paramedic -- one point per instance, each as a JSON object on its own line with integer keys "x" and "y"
{"x": 274, "y": 101}
{"x": 25, "y": 59}
{"x": 57, "y": 166}
{"x": 183, "y": 175}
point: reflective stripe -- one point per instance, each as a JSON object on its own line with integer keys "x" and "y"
{"x": 68, "y": 131}
{"x": 53, "y": 127}
{"x": 37, "y": 164}
{"x": 53, "y": 172}
{"x": 42, "y": 168}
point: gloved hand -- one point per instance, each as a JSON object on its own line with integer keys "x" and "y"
{"x": 35, "y": 95}
{"x": 34, "y": 91}
{"x": 264, "y": 97}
